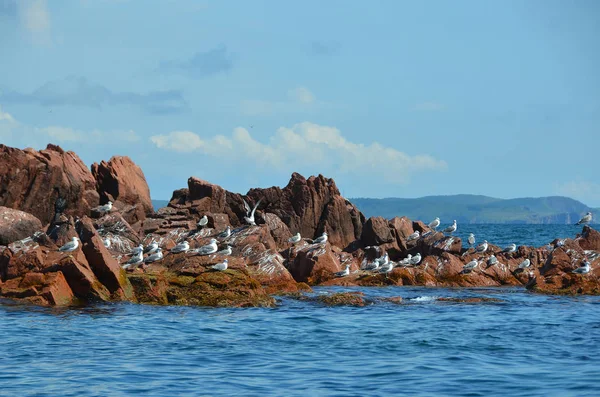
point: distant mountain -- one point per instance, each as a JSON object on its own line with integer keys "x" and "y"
{"x": 159, "y": 204}
{"x": 466, "y": 208}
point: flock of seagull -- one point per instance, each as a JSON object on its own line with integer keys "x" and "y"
{"x": 153, "y": 253}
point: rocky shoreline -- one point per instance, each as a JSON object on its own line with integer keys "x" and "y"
{"x": 48, "y": 197}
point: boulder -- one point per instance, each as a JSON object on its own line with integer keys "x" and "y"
{"x": 16, "y": 225}
{"x": 45, "y": 183}
{"x": 590, "y": 239}
{"x": 313, "y": 263}
{"x": 376, "y": 231}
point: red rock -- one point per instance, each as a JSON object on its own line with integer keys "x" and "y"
{"x": 122, "y": 181}
{"x": 590, "y": 239}
{"x": 16, "y": 225}
{"x": 104, "y": 266}
{"x": 32, "y": 181}
{"x": 56, "y": 290}
{"x": 313, "y": 264}
{"x": 376, "y": 231}
{"x": 80, "y": 278}
{"x": 279, "y": 230}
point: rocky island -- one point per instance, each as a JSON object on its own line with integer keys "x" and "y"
{"x": 49, "y": 197}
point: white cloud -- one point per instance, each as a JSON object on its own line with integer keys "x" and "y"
{"x": 306, "y": 146}
{"x": 586, "y": 191}
{"x": 36, "y": 18}
{"x": 301, "y": 95}
{"x": 6, "y": 117}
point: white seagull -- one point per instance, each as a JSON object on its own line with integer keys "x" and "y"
{"x": 249, "y": 218}
{"x": 295, "y": 238}
{"x": 227, "y": 251}
{"x": 156, "y": 256}
{"x": 586, "y": 219}
{"x": 451, "y": 229}
{"x": 510, "y": 249}
{"x": 225, "y": 233}
{"x": 134, "y": 260}
{"x": 469, "y": 267}
{"x": 492, "y": 260}
{"x": 321, "y": 239}
{"x": 435, "y": 223}
{"x": 137, "y": 250}
{"x": 384, "y": 260}
{"x": 471, "y": 239}
{"x": 413, "y": 236}
{"x": 481, "y": 248}
{"x": 151, "y": 248}
{"x": 344, "y": 272}
{"x": 583, "y": 269}
{"x": 181, "y": 247}
{"x": 386, "y": 268}
{"x": 104, "y": 208}
{"x": 525, "y": 264}
{"x": 208, "y": 249}
{"x": 70, "y": 246}
{"x": 202, "y": 222}
{"x": 220, "y": 266}
{"x": 415, "y": 259}
{"x": 106, "y": 242}
{"x": 405, "y": 262}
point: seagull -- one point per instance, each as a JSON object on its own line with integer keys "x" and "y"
{"x": 384, "y": 260}
{"x": 137, "y": 250}
{"x": 295, "y": 238}
{"x": 181, "y": 247}
{"x": 134, "y": 260}
{"x": 583, "y": 269}
{"x": 435, "y": 223}
{"x": 525, "y": 264}
{"x": 156, "y": 256}
{"x": 152, "y": 248}
{"x": 405, "y": 262}
{"x": 560, "y": 243}
{"x": 104, "y": 208}
{"x": 344, "y": 272}
{"x": 471, "y": 239}
{"x": 372, "y": 265}
{"x": 225, "y": 233}
{"x": 415, "y": 259}
{"x": 481, "y": 248}
{"x": 220, "y": 266}
{"x": 211, "y": 248}
{"x": 510, "y": 249}
{"x": 106, "y": 242}
{"x": 469, "y": 267}
{"x": 227, "y": 251}
{"x": 451, "y": 229}
{"x": 413, "y": 236}
{"x": 492, "y": 260}
{"x": 321, "y": 240}
{"x": 249, "y": 218}
{"x": 70, "y": 246}
{"x": 585, "y": 220}
{"x": 386, "y": 268}
{"x": 202, "y": 222}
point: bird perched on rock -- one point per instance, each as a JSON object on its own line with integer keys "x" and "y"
{"x": 435, "y": 223}
{"x": 220, "y": 266}
{"x": 156, "y": 256}
{"x": 415, "y": 260}
{"x": 137, "y": 250}
{"x": 344, "y": 272}
{"x": 249, "y": 218}
{"x": 104, "y": 208}
{"x": 525, "y": 264}
{"x": 492, "y": 260}
{"x": 322, "y": 239}
{"x": 106, "y": 242}
{"x": 471, "y": 239}
{"x": 151, "y": 248}
{"x": 583, "y": 269}
{"x": 181, "y": 247}
{"x": 469, "y": 267}
{"x": 226, "y": 252}
{"x": 481, "y": 248}
{"x": 386, "y": 268}
{"x": 208, "y": 249}
{"x": 295, "y": 238}
{"x": 70, "y": 246}
{"x": 587, "y": 218}
{"x": 413, "y": 236}
{"x": 405, "y": 262}
{"x": 225, "y": 233}
{"x": 510, "y": 249}
{"x": 371, "y": 266}
{"x": 202, "y": 222}
{"x": 451, "y": 229}
{"x": 134, "y": 260}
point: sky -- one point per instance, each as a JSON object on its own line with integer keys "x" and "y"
{"x": 389, "y": 98}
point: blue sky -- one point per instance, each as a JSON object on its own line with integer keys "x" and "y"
{"x": 390, "y": 98}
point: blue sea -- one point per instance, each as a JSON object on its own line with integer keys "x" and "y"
{"x": 523, "y": 344}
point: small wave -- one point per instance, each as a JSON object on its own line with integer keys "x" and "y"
{"x": 424, "y": 299}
